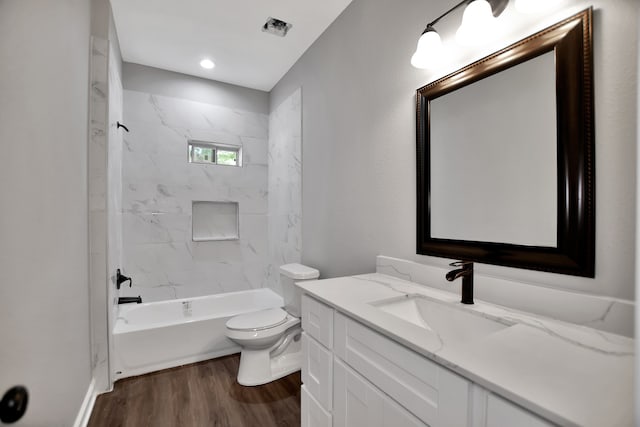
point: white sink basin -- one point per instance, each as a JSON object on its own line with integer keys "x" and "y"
{"x": 448, "y": 321}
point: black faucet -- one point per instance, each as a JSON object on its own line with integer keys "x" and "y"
{"x": 466, "y": 272}
{"x": 120, "y": 279}
{"x": 129, "y": 300}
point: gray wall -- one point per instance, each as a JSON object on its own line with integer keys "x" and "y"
{"x": 359, "y": 136}
{"x": 176, "y": 85}
{"x": 44, "y": 312}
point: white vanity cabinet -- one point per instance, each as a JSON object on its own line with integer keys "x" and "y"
{"x": 355, "y": 377}
{"x": 434, "y": 394}
{"x": 360, "y": 403}
{"x": 501, "y": 413}
{"x": 312, "y": 413}
{"x": 317, "y": 363}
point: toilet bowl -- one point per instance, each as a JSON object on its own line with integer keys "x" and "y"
{"x": 270, "y": 339}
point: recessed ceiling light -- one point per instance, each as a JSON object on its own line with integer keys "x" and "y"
{"x": 207, "y": 63}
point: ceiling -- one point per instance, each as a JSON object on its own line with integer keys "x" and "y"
{"x": 176, "y": 34}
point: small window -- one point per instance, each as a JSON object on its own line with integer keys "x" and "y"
{"x": 212, "y": 153}
{"x": 227, "y": 157}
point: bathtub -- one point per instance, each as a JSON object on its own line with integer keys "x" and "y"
{"x": 158, "y": 335}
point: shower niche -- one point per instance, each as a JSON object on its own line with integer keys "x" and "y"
{"x": 214, "y": 221}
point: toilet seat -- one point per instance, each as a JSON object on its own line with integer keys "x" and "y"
{"x": 258, "y": 321}
{"x": 265, "y": 336}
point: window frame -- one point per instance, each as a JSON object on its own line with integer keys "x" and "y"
{"x": 215, "y": 147}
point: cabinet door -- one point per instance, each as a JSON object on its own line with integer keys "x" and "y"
{"x": 312, "y": 414}
{"x": 317, "y": 371}
{"x": 317, "y": 320}
{"x": 434, "y": 394}
{"x": 357, "y": 403}
{"x": 501, "y": 413}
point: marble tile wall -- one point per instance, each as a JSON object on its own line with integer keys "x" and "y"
{"x": 285, "y": 185}
{"x": 114, "y": 185}
{"x": 159, "y": 186}
{"x": 105, "y": 201}
{"x": 98, "y": 243}
{"x": 594, "y": 311}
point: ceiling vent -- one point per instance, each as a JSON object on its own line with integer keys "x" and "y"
{"x": 276, "y": 27}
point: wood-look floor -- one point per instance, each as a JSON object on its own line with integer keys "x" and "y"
{"x": 200, "y": 395}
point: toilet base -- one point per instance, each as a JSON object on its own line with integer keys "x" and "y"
{"x": 258, "y": 367}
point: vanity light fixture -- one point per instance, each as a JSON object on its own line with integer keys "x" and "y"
{"x": 429, "y": 49}
{"x": 477, "y": 24}
{"x": 476, "y": 27}
{"x": 207, "y": 64}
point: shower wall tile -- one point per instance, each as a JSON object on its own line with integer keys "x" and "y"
{"x": 114, "y": 183}
{"x": 285, "y": 186}
{"x": 159, "y": 186}
{"x": 175, "y": 113}
{"x": 257, "y": 153}
{"x": 105, "y": 236}
{"x": 97, "y": 176}
{"x": 155, "y": 227}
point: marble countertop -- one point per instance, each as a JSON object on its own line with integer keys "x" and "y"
{"x": 566, "y": 373}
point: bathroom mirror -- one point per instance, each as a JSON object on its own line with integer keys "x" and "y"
{"x": 505, "y": 156}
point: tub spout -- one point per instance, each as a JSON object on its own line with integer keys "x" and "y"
{"x": 129, "y": 300}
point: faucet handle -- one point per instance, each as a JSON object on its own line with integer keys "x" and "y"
{"x": 120, "y": 279}
{"x": 461, "y": 263}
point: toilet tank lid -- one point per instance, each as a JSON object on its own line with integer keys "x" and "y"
{"x": 299, "y": 271}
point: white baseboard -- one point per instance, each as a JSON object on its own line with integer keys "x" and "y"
{"x": 87, "y": 406}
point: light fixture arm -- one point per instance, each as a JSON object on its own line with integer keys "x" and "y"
{"x": 497, "y": 7}
{"x": 435, "y": 21}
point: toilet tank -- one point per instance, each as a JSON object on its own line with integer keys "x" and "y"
{"x": 289, "y": 274}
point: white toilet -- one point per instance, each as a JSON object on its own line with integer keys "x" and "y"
{"x": 270, "y": 339}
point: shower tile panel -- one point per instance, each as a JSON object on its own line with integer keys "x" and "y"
{"x": 97, "y": 176}
{"x": 105, "y": 195}
{"x": 197, "y": 116}
{"x": 159, "y": 186}
{"x": 114, "y": 183}
{"x": 285, "y": 185}
{"x": 156, "y": 227}
{"x": 256, "y": 150}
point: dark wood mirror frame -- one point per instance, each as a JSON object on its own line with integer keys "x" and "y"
{"x": 571, "y": 40}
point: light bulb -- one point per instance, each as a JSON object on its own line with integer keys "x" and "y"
{"x": 207, "y": 64}
{"x": 477, "y": 24}
{"x": 429, "y": 50}
{"x": 532, "y": 6}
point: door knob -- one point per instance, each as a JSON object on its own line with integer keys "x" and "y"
{"x": 13, "y": 404}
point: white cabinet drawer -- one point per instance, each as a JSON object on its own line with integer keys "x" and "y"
{"x": 359, "y": 403}
{"x": 317, "y": 371}
{"x": 501, "y": 413}
{"x": 435, "y": 395}
{"x": 312, "y": 413}
{"x": 317, "y": 321}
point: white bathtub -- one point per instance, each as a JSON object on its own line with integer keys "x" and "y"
{"x": 159, "y": 335}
